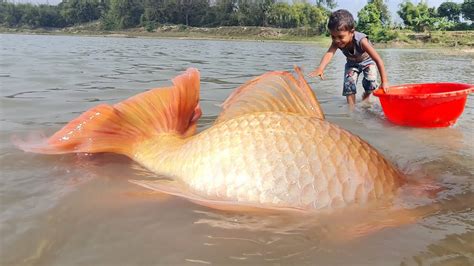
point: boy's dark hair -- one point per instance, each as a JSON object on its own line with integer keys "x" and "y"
{"x": 341, "y": 20}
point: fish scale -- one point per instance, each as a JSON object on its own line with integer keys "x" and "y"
{"x": 278, "y": 159}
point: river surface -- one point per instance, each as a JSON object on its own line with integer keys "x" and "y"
{"x": 81, "y": 209}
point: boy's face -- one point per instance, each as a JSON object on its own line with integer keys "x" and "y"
{"x": 342, "y": 38}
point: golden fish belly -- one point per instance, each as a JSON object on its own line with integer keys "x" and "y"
{"x": 280, "y": 159}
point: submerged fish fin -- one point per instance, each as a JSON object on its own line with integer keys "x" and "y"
{"x": 375, "y": 223}
{"x": 166, "y": 186}
{"x": 371, "y": 220}
{"x": 273, "y": 92}
{"x": 176, "y": 188}
{"x": 116, "y": 128}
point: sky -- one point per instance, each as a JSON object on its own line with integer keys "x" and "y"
{"x": 352, "y": 5}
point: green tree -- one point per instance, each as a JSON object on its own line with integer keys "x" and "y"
{"x": 249, "y": 13}
{"x": 80, "y": 11}
{"x": 123, "y": 14}
{"x": 172, "y": 12}
{"x": 369, "y": 20}
{"x": 382, "y": 8}
{"x": 257, "y": 12}
{"x": 246, "y": 13}
{"x": 307, "y": 15}
{"x": 450, "y": 10}
{"x": 225, "y": 12}
{"x": 191, "y": 11}
{"x": 30, "y": 15}
{"x": 310, "y": 18}
{"x": 467, "y": 9}
{"x": 414, "y": 16}
{"x": 300, "y": 11}
{"x": 422, "y": 18}
{"x": 263, "y": 9}
{"x": 10, "y": 15}
{"x": 210, "y": 17}
{"x": 50, "y": 16}
{"x": 281, "y": 15}
{"x": 152, "y": 11}
{"x": 408, "y": 12}
{"x": 330, "y": 4}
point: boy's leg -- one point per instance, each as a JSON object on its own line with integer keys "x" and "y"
{"x": 351, "y": 99}
{"x": 369, "y": 82}
{"x": 351, "y": 74}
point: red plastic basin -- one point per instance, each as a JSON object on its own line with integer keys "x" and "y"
{"x": 424, "y": 104}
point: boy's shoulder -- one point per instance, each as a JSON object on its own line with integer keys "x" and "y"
{"x": 359, "y": 35}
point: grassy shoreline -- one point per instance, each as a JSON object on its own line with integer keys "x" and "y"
{"x": 459, "y": 40}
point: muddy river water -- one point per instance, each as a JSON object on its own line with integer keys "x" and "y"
{"x": 81, "y": 210}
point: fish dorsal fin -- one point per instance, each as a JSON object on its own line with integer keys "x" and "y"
{"x": 275, "y": 91}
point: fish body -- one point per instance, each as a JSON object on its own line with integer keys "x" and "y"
{"x": 270, "y": 148}
{"x": 274, "y": 159}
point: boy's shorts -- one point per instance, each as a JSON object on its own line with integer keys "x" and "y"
{"x": 351, "y": 76}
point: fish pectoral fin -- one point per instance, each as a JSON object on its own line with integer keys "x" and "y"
{"x": 176, "y": 188}
{"x": 245, "y": 206}
{"x": 171, "y": 187}
{"x": 365, "y": 222}
{"x": 276, "y": 91}
{"x": 376, "y": 224}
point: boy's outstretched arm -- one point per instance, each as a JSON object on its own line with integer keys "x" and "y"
{"x": 364, "y": 43}
{"x": 319, "y": 72}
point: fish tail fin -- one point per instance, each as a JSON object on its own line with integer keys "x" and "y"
{"x": 117, "y": 128}
{"x": 100, "y": 129}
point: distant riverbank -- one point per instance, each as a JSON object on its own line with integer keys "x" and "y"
{"x": 462, "y": 40}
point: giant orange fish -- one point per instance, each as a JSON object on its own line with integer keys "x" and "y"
{"x": 270, "y": 148}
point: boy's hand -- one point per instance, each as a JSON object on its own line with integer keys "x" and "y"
{"x": 384, "y": 87}
{"x": 317, "y": 73}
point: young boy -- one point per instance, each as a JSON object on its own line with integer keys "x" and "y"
{"x": 361, "y": 57}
